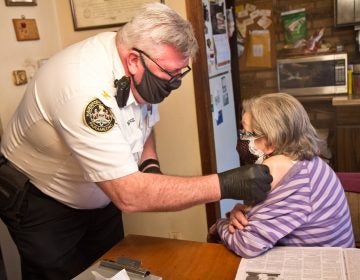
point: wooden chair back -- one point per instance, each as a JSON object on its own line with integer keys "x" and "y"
{"x": 351, "y": 184}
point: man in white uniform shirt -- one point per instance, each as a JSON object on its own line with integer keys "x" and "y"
{"x": 83, "y": 136}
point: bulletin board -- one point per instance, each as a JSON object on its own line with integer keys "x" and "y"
{"x": 255, "y": 22}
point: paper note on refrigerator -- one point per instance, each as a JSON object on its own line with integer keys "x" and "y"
{"x": 222, "y": 50}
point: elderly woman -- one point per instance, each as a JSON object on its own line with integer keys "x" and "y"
{"x": 307, "y": 205}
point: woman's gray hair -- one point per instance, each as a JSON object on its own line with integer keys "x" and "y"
{"x": 156, "y": 24}
{"x": 285, "y": 124}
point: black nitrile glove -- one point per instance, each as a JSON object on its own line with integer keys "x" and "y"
{"x": 250, "y": 183}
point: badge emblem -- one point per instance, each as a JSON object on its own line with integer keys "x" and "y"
{"x": 98, "y": 116}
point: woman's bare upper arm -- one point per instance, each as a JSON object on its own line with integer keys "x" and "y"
{"x": 279, "y": 165}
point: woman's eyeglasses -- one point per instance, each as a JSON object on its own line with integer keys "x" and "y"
{"x": 247, "y": 135}
{"x": 173, "y": 77}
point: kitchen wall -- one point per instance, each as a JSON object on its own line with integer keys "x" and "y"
{"x": 320, "y": 14}
{"x": 177, "y": 136}
{"x": 17, "y": 55}
{"x": 179, "y": 152}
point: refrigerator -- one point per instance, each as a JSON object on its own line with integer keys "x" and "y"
{"x": 217, "y": 25}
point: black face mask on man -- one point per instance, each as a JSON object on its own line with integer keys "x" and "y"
{"x": 152, "y": 88}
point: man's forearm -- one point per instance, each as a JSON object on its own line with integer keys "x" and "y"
{"x": 152, "y": 192}
{"x": 141, "y": 192}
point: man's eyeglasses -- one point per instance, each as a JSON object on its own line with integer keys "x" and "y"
{"x": 173, "y": 78}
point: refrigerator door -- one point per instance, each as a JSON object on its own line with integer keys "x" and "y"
{"x": 221, "y": 89}
{"x": 216, "y": 37}
{"x": 224, "y": 125}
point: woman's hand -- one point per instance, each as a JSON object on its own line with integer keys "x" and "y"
{"x": 213, "y": 236}
{"x": 237, "y": 218}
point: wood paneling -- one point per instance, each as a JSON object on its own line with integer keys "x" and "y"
{"x": 347, "y": 138}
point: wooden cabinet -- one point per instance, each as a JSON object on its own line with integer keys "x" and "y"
{"x": 321, "y": 113}
{"x": 338, "y": 119}
{"x": 348, "y": 138}
{"x": 347, "y": 12}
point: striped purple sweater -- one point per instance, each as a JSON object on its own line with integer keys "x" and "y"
{"x": 308, "y": 208}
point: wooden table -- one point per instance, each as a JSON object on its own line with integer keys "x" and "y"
{"x": 178, "y": 259}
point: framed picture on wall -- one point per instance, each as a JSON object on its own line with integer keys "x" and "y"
{"x": 20, "y": 2}
{"x": 91, "y": 14}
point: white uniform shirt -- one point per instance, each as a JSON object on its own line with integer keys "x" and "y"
{"x": 69, "y": 132}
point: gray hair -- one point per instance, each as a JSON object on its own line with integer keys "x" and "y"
{"x": 156, "y": 24}
{"x": 285, "y": 124}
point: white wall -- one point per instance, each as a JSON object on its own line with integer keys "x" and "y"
{"x": 177, "y": 137}
{"x": 14, "y": 54}
{"x": 179, "y": 152}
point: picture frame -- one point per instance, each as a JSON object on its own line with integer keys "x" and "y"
{"x": 92, "y": 14}
{"x": 20, "y": 2}
{"x": 26, "y": 29}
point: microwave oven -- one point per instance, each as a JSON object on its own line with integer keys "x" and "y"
{"x": 313, "y": 75}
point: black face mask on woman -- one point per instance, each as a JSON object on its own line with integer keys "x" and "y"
{"x": 152, "y": 88}
{"x": 246, "y": 157}
{"x": 248, "y": 152}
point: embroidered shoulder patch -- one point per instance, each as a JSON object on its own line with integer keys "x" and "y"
{"x": 98, "y": 116}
